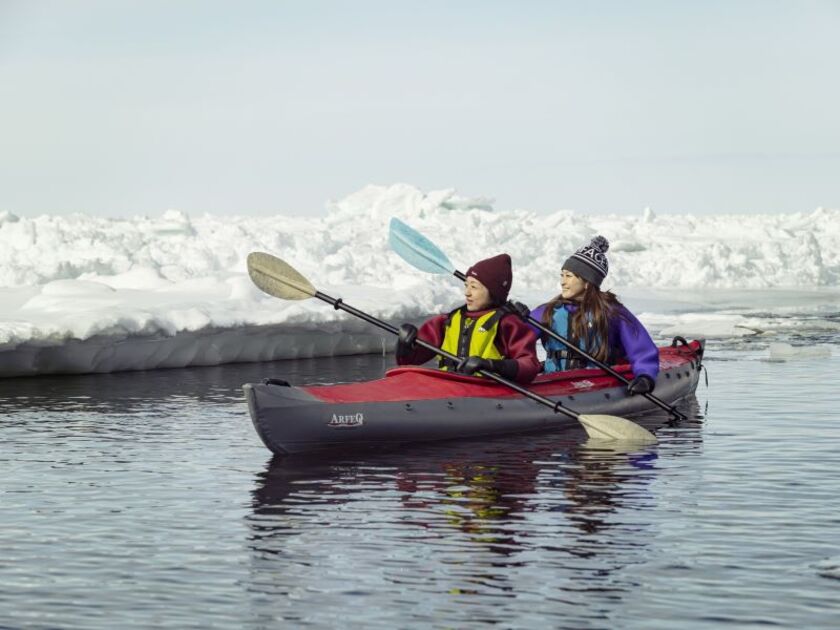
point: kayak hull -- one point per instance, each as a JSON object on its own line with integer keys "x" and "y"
{"x": 414, "y": 404}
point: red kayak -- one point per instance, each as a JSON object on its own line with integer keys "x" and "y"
{"x": 416, "y": 404}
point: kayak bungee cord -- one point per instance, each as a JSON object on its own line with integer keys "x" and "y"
{"x": 277, "y": 278}
{"x": 420, "y": 252}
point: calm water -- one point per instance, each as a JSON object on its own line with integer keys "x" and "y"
{"x": 146, "y": 499}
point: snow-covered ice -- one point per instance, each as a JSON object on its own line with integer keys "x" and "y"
{"x": 82, "y": 293}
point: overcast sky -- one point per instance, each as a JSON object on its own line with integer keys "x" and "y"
{"x": 133, "y": 107}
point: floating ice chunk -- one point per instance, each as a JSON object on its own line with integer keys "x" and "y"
{"x": 786, "y": 352}
{"x": 829, "y": 568}
{"x": 717, "y": 325}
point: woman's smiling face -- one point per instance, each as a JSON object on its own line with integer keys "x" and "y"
{"x": 476, "y": 294}
{"x": 571, "y": 286}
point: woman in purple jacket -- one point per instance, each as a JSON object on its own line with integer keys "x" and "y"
{"x": 596, "y": 321}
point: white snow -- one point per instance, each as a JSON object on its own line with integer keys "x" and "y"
{"x": 83, "y": 293}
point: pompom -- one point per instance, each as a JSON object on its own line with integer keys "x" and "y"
{"x": 600, "y": 243}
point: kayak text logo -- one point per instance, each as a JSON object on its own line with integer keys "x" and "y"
{"x": 349, "y": 420}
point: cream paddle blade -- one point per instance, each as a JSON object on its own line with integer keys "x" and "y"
{"x": 604, "y": 427}
{"x": 278, "y": 278}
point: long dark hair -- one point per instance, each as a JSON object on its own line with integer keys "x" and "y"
{"x": 596, "y": 307}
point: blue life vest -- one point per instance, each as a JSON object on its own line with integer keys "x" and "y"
{"x": 559, "y": 357}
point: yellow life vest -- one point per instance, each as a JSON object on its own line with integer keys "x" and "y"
{"x": 470, "y": 336}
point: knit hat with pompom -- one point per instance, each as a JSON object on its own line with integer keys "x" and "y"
{"x": 590, "y": 261}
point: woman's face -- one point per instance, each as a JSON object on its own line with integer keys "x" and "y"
{"x": 572, "y": 286}
{"x": 477, "y": 295}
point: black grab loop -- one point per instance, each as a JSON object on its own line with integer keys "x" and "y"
{"x": 337, "y": 303}
{"x": 276, "y": 381}
{"x": 680, "y": 340}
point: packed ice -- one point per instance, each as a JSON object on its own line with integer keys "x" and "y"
{"x": 81, "y": 293}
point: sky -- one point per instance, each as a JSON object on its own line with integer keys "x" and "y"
{"x": 124, "y": 107}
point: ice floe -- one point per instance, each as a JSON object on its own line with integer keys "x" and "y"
{"x": 85, "y": 293}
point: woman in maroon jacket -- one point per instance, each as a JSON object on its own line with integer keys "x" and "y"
{"x": 482, "y": 332}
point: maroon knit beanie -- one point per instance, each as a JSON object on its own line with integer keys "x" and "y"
{"x": 495, "y": 274}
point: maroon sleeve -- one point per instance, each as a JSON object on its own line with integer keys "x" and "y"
{"x": 432, "y": 332}
{"x": 519, "y": 342}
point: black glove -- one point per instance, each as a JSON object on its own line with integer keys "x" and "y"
{"x": 406, "y": 339}
{"x": 518, "y": 308}
{"x": 470, "y": 365}
{"x": 642, "y": 384}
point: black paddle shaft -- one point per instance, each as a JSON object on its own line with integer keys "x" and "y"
{"x": 580, "y": 351}
{"x": 338, "y": 304}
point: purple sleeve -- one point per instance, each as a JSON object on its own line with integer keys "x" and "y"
{"x": 537, "y": 314}
{"x": 641, "y": 352}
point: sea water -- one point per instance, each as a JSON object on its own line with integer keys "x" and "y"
{"x": 146, "y": 499}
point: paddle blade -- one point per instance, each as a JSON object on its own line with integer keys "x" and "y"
{"x": 604, "y": 427}
{"x": 278, "y": 278}
{"x": 416, "y": 249}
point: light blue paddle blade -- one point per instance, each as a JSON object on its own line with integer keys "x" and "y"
{"x": 416, "y": 249}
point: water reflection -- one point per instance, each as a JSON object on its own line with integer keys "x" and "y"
{"x": 131, "y": 392}
{"x": 593, "y": 478}
{"x": 470, "y": 518}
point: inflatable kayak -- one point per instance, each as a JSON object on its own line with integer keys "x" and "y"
{"x": 416, "y": 404}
